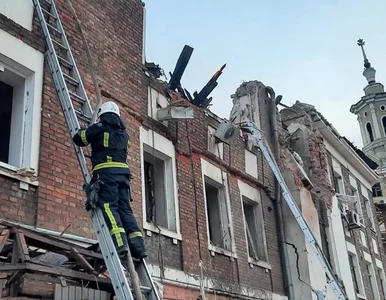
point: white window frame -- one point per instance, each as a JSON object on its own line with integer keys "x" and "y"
{"x": 28, "y": 63}
{"x": 213, "y": 147}
{"x": 166, "y": 147}
{"x": 156, "y": 100}
{"x": 368, "y": 206}
{"x": 250, "y": 163}
{"x": 374, "y": 285}
{"x": 217, "y": 175}
{"x": 338, "y": 169}
{"x": 358, "y": 203}
{"x": 252, "y": 194}
{"x": 375, "y": 245}
{"x": 363, "y": 239}
{"x": 358, "y": 274}
{"x": 382, "y": 278}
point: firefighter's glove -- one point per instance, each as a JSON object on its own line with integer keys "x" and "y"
{"x": 92, "y": 191}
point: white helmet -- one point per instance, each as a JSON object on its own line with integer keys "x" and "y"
{"x": 108, "y": 107}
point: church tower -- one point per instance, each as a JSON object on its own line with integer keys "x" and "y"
{"x": 371, "y": 113}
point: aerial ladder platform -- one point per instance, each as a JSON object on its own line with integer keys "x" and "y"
{"x": 257, "y": 139}
{"x": 77, "y": 110}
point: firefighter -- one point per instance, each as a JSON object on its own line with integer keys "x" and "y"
{"x": 111, "y": 175}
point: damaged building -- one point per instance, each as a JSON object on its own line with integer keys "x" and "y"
{"x": 333, "y": 186}
{"x": 205, "y": 192}
{"x": 212, "y": 217}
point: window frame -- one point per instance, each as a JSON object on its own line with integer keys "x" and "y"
{"x": 215, "y": 174}
{"x": 253, "y": 196}
{"x": 27, "y": 63}
{"x": 337, "y": 175}
{"x": 163, "y": 147}
{"x": 368, "y": 206}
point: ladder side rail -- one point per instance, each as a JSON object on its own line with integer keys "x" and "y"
{"x": 72, "y": 122}
{"x": 298, "y": 215}
{"x": 70, "y": 116}
{"x": 86, "y": 107}
{"x": 110, "y": 255}
{"x": 146, "y": 279}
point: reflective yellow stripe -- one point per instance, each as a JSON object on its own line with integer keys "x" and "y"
{"x": 83, "y": 137}
{"x": 109, "y": 159}
{"x": 115, "y": 228}
{"x": 135, "y": 234}
{"x": 106, "y": 137}
{"x": 110, "y": 165}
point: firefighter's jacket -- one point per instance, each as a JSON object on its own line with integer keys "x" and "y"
{"x": 109, "y": 143}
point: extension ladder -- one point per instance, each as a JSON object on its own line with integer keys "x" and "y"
{"x": 76, "y": 108}
{"x": 258, "y": 139}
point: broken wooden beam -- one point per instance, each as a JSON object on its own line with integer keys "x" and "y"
{"x": 57, "y": 271}
{"x": 4, "y": 238}
{"x": 24, "y": 253}
{"x": 82, "y": 261}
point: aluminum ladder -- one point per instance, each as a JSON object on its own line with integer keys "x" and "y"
{"x": 76, "y": 108}
{"x": 259, "y": 140}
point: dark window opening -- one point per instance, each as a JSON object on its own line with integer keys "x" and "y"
{"x": 254, "y": 231}
{"x": 156, "y": 206}
{"x": 219, "y": 231}
{"x": 370, "y": 131}
{"x": 377, "y": 191}
{"x": 353, "y": 273}
{"x": 6, "y": 95}
{"x": 384, "y": 124}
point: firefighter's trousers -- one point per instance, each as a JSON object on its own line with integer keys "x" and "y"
{"x": 115, "y": 204}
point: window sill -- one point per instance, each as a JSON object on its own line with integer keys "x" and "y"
{"x": 221, "y": 251}
{"x": 253, "y": 262}
{"x": 361, "y": 297}
{"x": 165, "y": 232}
{"x": 10, "y": 171}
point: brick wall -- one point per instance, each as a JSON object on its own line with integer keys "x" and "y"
{"x": 113, "y": 30}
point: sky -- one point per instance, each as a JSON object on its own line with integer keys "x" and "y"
{"x": 306, "y": 50}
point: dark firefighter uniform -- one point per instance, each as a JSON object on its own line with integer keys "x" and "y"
{"x": 109, "y": 142}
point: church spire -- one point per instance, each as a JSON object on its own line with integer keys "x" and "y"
{"x": 369, "y": 71}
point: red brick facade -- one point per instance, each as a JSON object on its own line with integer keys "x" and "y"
{"x": 114, "y": 31}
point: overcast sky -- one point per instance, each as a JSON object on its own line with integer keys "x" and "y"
{"x": 306, "y": 50}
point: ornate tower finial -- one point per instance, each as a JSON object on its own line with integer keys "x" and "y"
{"x": 361, "y": 43}
{"x": 369, "y": 71}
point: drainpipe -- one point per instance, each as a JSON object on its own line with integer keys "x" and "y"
{"x": 279, "y": 200}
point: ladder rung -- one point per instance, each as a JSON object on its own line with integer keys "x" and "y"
{"x": 77, "y": 98}
{"x": 71, "y": 80}
{"x": 82, "y": 116}
{"x": 65, "y": 62}
{"x": 145, "y": 289}
{"x": 59, "y": 44}
{"x": 54, "y": 29}
{"x": 48, "y": 13}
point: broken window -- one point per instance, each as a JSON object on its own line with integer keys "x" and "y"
{"x": 369, "y": 210}
{"x": 217, "y": 212}
{"x": 159, "y": 193}
{"x": 215, "y": 146}
{"x": 377, "y": 190}
{"x": 353, "y": 273}
{"x": 338, "y": 183}
{"x": 370, "y": 131}
{"x": 254, "y": 230}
